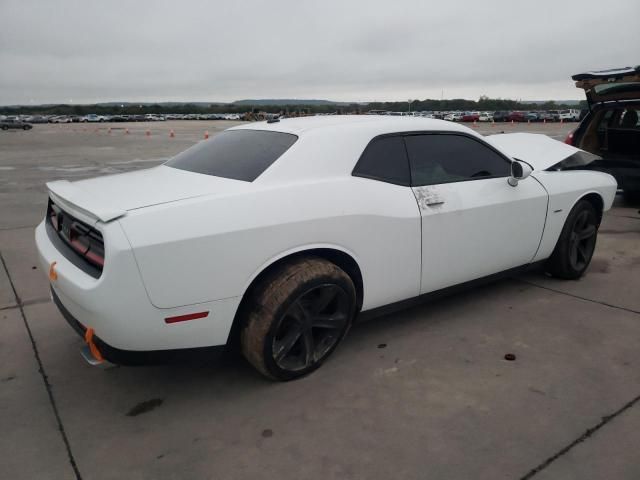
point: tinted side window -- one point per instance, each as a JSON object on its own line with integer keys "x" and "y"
{"x": 441, "y": 158}
{"x": 385, "y": 159}
{"x": 237, "y": 154}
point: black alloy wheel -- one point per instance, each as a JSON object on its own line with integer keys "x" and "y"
{"x": 576, "y": 244}
{"x": 311, "y": 327}
{"x": 295, "y": 317}
{"x": 582, "y": 240}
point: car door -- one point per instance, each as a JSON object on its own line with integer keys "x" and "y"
{"x": 474, "y": 223}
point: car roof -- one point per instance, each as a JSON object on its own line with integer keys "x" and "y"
{"x": 329, "y": 146}
{"x": 372, "y": 125}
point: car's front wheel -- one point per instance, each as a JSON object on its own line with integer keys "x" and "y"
{"x": 576, "y": 244}
{"x": 297, "y": 316}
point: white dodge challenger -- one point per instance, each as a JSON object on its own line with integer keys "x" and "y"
{"x": 278, "y": 234}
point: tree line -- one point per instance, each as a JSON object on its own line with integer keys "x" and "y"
{"x": 484, "y": 103}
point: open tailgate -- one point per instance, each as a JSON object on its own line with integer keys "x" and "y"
{"x": 610, "y": 85}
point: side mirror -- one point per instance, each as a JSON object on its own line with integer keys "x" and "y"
{"x": 519, "y": 171}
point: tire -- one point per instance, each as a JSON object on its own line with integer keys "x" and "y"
{"x": 577, "y": 242}
{"x": 4, "y": 127}
{"x": 297, "y": 316}
{"x": 26, "y": 127}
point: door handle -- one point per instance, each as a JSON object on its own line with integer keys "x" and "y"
{"x": 435, "y": 203}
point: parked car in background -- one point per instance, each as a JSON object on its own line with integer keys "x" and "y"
{"x": 486, "y": 117}
{"x": 611, "y": 128}
{"x": 555, "y": 115}
{"x": 500, "y": 116}
{"x": 569, "y": 115}
{"x": 60, "y": 119}
{"x": 454, "y": 117}
{"x": 545, "y": 116}
{"x": 531, "y": 116}
{"x": 471, "y": 116}
{"x": 15, "y": 124}
{"x": 36, "y": 119}
{"x": 92, "y": 118}
{"x": 516, "y": 116}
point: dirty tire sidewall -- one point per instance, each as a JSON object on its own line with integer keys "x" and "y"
{"x": 271, "y": 300}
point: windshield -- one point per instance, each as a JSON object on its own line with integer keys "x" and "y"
{"x": 235, "y": 154}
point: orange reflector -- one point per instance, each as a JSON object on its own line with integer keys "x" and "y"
{"x": 52, "y": 271}
{"x": 184, "y": 318}
{"x": 88, "y": 337}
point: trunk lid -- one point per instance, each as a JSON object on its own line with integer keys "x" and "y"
{"x": 610, "y": 85}
{"x": 110, "y": 197}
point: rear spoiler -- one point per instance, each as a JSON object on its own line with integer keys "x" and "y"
{"x": 87, "y": 203}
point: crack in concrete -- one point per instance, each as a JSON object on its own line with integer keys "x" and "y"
{"x": 43, "y": 374}
{"x": 35, "y": 301}
{"x": 587, "y": 434}
{"x": 599, "y": 302}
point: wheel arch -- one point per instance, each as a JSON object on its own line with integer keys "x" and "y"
{"x": 340, "y": 257}
{"x": 596, "y": 199}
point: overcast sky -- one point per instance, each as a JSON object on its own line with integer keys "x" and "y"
{"x": 361, "y": 50}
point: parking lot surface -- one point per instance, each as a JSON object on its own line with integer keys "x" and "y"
{"x": 421, "y": 393}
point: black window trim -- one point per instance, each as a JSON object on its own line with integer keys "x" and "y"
{"x": 413, "y": 133}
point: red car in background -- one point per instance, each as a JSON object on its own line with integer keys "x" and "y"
{"x": 471, "y": 117}
{"x": 517, "y": 117}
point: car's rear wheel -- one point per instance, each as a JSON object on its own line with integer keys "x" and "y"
{"x": 576, "y": 244}
{"x": 297, "y": 316}
{"x": 5, "y": 127}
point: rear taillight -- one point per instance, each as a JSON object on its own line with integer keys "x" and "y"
{"x": 569, "y": 139}
{"x": 84, "y": 240}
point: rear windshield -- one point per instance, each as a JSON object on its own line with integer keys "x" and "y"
{"x": 235, "y": 154}
{"x": 619, "y": 87}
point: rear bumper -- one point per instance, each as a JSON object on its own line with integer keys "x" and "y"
{"x": 116, "y": 305}
{"x": 130, "y": 357}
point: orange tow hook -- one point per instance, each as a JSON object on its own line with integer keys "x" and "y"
{"x": 53, "y": 275}
{"x": 88, "y": 337}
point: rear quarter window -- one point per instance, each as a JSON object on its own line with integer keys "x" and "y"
{"x": 385, "y": 159}
{"x": 235, "y": 154}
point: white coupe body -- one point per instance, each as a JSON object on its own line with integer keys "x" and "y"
{"x": 179, "y": 244}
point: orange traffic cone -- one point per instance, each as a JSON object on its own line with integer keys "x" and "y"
{"x": 148, "y": 133}
{"x": 126, "y": 131}
{"x": 512, "y": 122}
{"x": 171, "y": 134}
{"x": 109, "y": 131}
{"x": 206, "y": 135}
{"x": 475, "y": 124}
